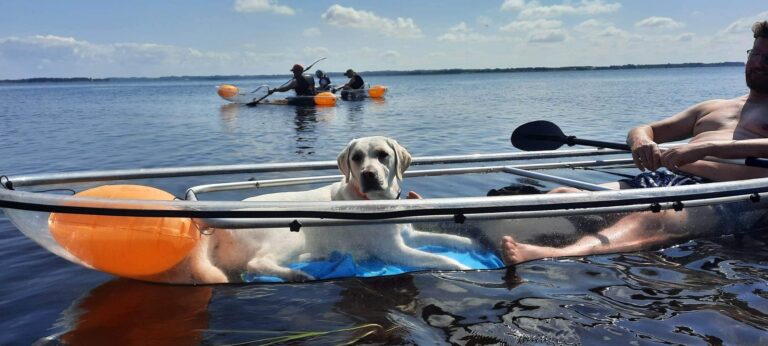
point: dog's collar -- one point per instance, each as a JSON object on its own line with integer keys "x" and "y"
{"x": 360, "y": 193}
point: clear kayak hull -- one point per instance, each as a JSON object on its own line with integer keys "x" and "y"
{"x": 260, "y": 95}
{"x": 274, "y": 236}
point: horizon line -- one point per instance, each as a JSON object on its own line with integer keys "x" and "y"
{"x": 391, "y": 72}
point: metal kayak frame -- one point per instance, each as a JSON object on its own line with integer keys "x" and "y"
{"x": 263, "y": 214}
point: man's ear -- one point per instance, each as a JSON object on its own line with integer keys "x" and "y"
{"x": 343, "y": 160}
{"x": 402, "y": 157}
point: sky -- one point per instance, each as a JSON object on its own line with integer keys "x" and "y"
{"x": 143, "y": 38}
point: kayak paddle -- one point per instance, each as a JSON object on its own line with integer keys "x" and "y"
{"x": 545, "y": 135}
{"x": 254, "y": 103}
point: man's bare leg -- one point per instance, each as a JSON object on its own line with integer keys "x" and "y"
{"x": 634, "y": 232}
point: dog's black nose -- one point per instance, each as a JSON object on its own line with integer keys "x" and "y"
{"x": 367, "y": 175}
{"x": 369, "y": 181}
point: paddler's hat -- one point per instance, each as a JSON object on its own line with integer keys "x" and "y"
{"x": 349, "y": 73}
{"x": 297, "y": 67}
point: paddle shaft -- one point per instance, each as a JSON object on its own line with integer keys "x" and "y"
{"x": 572, "y": 140}
{"x": 253, "y": 103}
{"x": 546, "y": 135}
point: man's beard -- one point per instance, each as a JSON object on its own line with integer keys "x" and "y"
{"x": 757, "y": 81}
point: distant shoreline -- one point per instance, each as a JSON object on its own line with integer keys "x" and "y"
{"x": 379, "y": 73}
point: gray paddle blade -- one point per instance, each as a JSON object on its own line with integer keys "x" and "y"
{"x": 538, "y": 135}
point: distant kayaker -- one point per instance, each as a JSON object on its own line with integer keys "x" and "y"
{"x": 355, "y": 83}
{"x": 302, "y": 84}
{"x": 735, "y": 128}
{"x": 323, "y": 81}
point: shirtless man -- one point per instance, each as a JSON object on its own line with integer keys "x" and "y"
{"x": 733, "y": 128}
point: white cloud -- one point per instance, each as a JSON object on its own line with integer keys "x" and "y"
{"x": 596, "y": 7}
{"x": 659, "y": 22}
{"x": 462, "y": 33}
{"x": 612, "y": 32}
{"x": 591, "y": 25}
{"x": 316, "y": 51}
{"x": 50, "y": 48}
{"x": 262, "y": 6}
{"x": 532, "y": 25}
{"x": 685, "y": 37}
{"x": 513, "y": 5}
{"x": 547, "y": 36}
{"x": 585, "y": 7}
{"x": 57, "y": 56}
{"x": 390, "y": 55}
{"x": 484, "y": 21}
{"x": 347, "y": 17}
{"x": 312, "y": 32}
{"x": 743, "y": 26}
{"x": 599, "y": 29}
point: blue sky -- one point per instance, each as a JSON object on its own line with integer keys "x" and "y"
{"x": 142, "y": 38}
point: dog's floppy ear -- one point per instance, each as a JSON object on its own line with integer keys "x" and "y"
{"x": 402, "y": 157}
{"x": 343, "y": 160}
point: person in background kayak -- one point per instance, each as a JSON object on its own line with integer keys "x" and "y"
{"x": 355, "y": 83}
{"x": 323, "y": 81}
{"x": 735, "y": 128}
{"x": 302, "y": 84}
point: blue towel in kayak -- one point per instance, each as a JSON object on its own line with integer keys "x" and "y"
{"x": 340, "y": 265}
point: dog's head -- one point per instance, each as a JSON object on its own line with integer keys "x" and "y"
{"x": 374, "y": 166}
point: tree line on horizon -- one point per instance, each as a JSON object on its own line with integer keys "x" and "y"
{"x": 384, "y": 72}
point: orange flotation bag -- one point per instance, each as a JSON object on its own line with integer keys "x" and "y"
{"x": 125, "y": 245}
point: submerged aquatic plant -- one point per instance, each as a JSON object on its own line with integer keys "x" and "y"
{"x": 288, "y": 336}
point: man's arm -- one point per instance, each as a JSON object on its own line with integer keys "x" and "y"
{"x": 734, "y": 149}
{"x": 644, "y": 139}
{"x": 285, "y": 88}
{"x": 345, "y": 86}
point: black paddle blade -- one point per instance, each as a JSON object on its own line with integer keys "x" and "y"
{"x": 538, "y": 135}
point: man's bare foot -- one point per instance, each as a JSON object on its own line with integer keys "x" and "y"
{"x": 514, "y": 252}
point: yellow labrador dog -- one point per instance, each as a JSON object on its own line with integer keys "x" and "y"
{"x": 373, "y": 168}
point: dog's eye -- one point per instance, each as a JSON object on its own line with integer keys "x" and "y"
{"x": 382, "y": 155}
{"x": 357, "y": 157}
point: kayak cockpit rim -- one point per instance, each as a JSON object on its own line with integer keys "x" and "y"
{"x": 17, "y": 181}
{"x": 256, "y": 214}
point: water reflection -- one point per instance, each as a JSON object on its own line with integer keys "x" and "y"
{"x": 306, "y": 123}
{"x": 381, "y": 301}
{"x": 355, "y": 112}
{"x": 403, "y": 308}
{"x": 228, "y": 114}
{"x": 134, "y": 312}
{"x": 306, "y": 127}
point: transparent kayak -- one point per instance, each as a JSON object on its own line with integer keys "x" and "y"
{"x": 118, "y": 222}
{"x": 372, "y": 92}
{"x": 260, "y": 96}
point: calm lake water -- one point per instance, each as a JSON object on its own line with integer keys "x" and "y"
{"x": 708, "y": 291}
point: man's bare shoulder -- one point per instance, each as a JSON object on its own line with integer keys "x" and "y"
{"x": 719, "y": 104}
